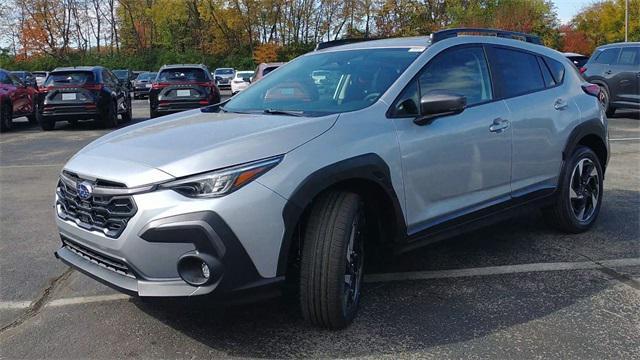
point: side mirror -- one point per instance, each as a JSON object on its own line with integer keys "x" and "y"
{"x": 439, "y": 104}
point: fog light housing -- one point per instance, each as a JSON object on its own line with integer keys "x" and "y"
{"x": 199, "y": 269}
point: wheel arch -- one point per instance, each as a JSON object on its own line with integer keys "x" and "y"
{"x": 367, "y": 175}
{"x": 592, "y": 134}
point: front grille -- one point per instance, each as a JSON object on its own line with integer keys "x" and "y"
{"x": 114, "y": 265}
{"x": 102, "y": 212}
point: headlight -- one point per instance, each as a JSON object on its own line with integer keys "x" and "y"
{"x": 221, "y": 182}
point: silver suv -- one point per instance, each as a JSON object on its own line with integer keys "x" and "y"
{"x": 402, "y": 143}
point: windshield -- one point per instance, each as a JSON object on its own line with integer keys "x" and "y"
{"x": 121, "y": 74}
{"x": 20, "y": 74}
{"x": 146, "y": 76}
{"x": 327, "y": 82}
{"x": 69, "y": 78}
{"x": 224, "y": 71}
{"x": 244, "y": 74}
{"x": 182, "y": 74}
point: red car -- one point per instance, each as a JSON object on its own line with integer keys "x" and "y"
{"x": 16, "y": 99}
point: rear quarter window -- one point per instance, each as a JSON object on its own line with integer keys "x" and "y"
{"x": 607, "y": 56}
{"x": 557, "y": 69}
{"x": 629, "y": 56}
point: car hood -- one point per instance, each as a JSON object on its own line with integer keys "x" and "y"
{"x": 192, "y": 142}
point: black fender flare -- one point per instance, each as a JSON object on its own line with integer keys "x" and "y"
{"x": 592, "y": 127}
{"x": 369, "y": 167}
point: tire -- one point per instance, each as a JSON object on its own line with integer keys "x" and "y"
{"x": 73, "y": 123}
{"x": 33, "y": 118}
{"x": 578, "y": 204}
{"x": 109, "y": 119}
{"x": 153, "y": 114}
{"x": 332, "y": 250}
{"x": 6, "y": 117}
{"x": 605, "y": 99}
{"x": 127, "y": 115}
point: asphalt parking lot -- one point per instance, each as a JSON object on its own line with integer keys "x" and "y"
{"x": 518, "y": 289}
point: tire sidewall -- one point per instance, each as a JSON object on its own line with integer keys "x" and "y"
{"x": 6, "y": 117}
{"x": 579, "y": 154}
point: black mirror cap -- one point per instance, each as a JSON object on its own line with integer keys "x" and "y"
{"x": 438, "y": 104}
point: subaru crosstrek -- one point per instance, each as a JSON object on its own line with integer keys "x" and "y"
{"x": 411, "y": 140}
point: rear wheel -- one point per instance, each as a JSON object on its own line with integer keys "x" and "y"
{"x": 127, "y": 115}
{"x": 605, "y": 99}
{"x": 153, "y": 113}
{"x": 6, "y": 117}
{"x": 580, "y": 195}
{"x": 331, "y": 266}
{"x": 33, "y": 118}
{"x": 109, "y": 118}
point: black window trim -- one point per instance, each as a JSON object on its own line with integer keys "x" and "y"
{"x": 389, "y": 114}
{"x": 545, "y": 62}
{"x": 491, "y": 47}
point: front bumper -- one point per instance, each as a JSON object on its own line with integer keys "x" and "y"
{"x": 143, "y": 259}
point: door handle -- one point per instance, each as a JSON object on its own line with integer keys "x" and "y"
{"x": 608, "y": 72}
{"x": 560, "y": 104}
{"x": 499, "y": 125}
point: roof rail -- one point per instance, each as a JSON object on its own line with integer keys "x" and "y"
{"x": 450, "y": 33}
{"x": 332, "y": 43}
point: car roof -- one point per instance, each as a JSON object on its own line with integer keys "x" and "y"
{"x": 573, "y": 54}
{"x": 415, "y": 41}
{"x": 619, "y": 44}
{"x": 81, "y": 68}
{"x": 173, "y": 66}
{"x": 227, "y": 68}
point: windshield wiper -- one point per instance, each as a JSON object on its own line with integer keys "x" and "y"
{"x": 283, "y": 112}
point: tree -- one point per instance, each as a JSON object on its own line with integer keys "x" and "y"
{"x": 603, "y": 22}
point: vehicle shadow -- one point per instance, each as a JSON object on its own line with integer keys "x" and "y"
{"x": 22, "y": 125}
{"x": 626, "y": 113}
{"x": 417, "y": 315}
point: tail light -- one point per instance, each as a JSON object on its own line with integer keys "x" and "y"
{"x": 203, "y": 102}
{"x": 582, "y": 69}
{"x": 591, "y": 89}
{"x": 94, "y": 87}
{"x": 158, "y": 86}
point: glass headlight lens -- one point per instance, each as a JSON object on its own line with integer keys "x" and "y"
{"x": 221, "y": 182}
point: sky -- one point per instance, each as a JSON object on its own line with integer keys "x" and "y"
{"x": 566, "y": 9}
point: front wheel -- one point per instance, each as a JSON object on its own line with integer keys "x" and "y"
{"x": 580, "y": 193}
{"x": 331, "y": 266}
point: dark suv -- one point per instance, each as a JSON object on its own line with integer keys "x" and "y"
{"x": 182, "y": 87}
{"x": 616, "y": 69}
{"x": 84, "y": 92}
{"x": 16, "y": 99}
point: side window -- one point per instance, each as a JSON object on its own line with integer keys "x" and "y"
{"x": 15, "y": 80}
{"x": 546, "y": 73}
{"x": 106, "y": 78}
{"x": 557, "y": 69}
{"x": 408, "y": 103}
{"x": 629, "y": 56}
{"x": 462, "y": 71}
{"x": 4, "y": 78}
{"x": 607, "y": 56}
{"x": 517, "y": 71}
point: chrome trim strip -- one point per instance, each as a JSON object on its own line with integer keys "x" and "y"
{"x": 109, "y": 191}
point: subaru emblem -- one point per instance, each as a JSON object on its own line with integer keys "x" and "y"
{"x": 84, "y": 190}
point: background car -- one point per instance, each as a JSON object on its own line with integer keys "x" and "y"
{"x": 240, "y": 81}
{"x": 142, "y": 84}
{"x": 125, "y": 76}
{"x": 26, "y": 78}
{"x": 223, "y": 77}
{"x": 577, "y": 59}
{"x": 16, "y": 99}
{"x": 616, "y": 69}
{"x": 265, "y": 68}
{"x": 181, "y": 87}
{"x": 40, "y": 76}
{"x": 84, "y": 92}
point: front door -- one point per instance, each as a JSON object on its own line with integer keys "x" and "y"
{"x": 458, "y": 163}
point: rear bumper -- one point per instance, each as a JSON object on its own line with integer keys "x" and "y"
{"x": 67, "y": 111}
{"x": 176, "y": 106}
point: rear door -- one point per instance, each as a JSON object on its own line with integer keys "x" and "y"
{"x": 21, "y": 97}
{"x": 541, "y": 112}
{"x": 626, "y": 76}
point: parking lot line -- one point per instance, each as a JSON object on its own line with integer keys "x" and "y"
{"x": 500, "y": 270}
{"x": 388, "y": 277}
{"x": 624, "y": 139}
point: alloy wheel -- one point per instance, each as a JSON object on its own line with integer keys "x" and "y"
{"x": 354, "y": 264}
{"x": 584, "y": 190}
